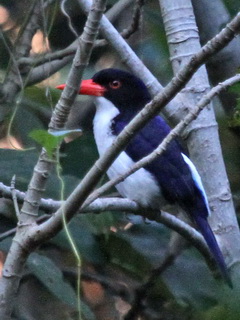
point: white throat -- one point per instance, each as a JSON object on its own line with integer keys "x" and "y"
{"x": 105, "y": 113}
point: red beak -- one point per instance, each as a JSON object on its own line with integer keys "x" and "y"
{"x": 88, "y": 87}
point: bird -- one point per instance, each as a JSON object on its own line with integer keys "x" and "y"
{"x": 170, "y": 178}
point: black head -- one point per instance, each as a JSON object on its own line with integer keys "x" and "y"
{"x": 123, "y": 89}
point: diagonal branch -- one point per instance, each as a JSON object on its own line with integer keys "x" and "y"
{"x": 136, "y": 17}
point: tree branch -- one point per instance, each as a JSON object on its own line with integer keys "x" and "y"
{"x": 127, "y": 55}
{"x": 134, "y": 26}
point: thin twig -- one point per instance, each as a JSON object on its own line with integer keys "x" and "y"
{"x": 14, "y": 196}
{"x": 116, "y": 41}
{"x": 13, "y": 77}
{"x": 136, "y": 17}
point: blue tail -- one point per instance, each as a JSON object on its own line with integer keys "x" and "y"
{"x": 209, "y": 237}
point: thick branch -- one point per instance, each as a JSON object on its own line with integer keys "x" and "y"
{"x": 80, "y": 61}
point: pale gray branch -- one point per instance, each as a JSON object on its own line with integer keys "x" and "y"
{"x": 121, "y": 5}
{"x": 85, "y": 46}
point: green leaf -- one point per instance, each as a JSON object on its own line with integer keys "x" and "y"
{"x": 50, "y": 140}
{"x": 45, "y": 139}
{"x": 41, "y": 97}
{"x": 51, "y": 277}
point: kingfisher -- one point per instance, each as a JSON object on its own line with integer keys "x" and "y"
{"x": 171, "y": 177}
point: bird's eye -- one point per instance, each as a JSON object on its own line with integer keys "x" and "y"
{"x": 115, "y": 84}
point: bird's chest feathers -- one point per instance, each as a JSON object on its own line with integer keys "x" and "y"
{"x": 140, "y": 186}
{"x": 102, "y": 123}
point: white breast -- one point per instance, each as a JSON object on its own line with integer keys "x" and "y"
{"x": 141, "y": 185}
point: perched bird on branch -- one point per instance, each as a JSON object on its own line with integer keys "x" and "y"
{"x": 171, "y": 177}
